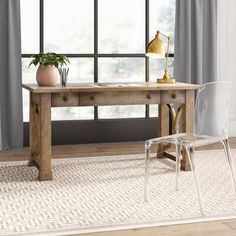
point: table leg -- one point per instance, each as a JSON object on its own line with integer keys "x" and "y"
{"x": 163, "y": 112}
{"x": 45, "y": 171}
{"x": 33, "y": 132}
{"x": 188, "y": 119}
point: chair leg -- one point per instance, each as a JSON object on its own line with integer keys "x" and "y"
{"x": 178, "y": 151}
{"x": 228, "y": 156}
{"x": 190, "y": 154}
{"x": 147, "y": 150}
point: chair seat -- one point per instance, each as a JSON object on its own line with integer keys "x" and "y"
{"x": 194, "y": 140}
{"x": 166, "y": 139}
{"x": 184, "y": 139}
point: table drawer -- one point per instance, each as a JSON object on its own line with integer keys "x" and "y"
{"x": 65, "y": 99}
{"x": 119, "y": 98}
{"x": 173, "y": 96}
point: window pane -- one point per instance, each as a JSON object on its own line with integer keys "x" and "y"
{"x": 28, "y": 73}
{"x": 121, "y": 26}
{"x": 28, "y": 76}
{"x": 30, "y": 26}
{"x": 72, "y": 113}
{"x": 121, "y": 69}
{"x": 81, "y": 70}
{"x": 157, "y": 67}
{"x": 132, "y": 111}
{"x": 162, "y": 17}
{"x": 69, "y": 26}
{"x": 153, "y": 110}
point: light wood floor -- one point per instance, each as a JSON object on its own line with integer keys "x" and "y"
{"x": 214, "y": 228}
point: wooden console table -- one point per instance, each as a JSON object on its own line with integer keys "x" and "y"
{"x": 99, "y": 94}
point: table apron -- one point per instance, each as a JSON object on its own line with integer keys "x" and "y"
{"x": 70, "y": 99}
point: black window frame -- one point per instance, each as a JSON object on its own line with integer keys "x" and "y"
{"x": 96, "y": 55}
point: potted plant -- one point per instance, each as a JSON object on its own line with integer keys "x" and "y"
{"x": 47, "y": 72}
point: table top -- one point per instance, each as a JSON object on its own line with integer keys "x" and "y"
{"x": 109, "y": 87}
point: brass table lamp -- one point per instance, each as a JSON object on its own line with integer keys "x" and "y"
{"x": 156, "y": 49}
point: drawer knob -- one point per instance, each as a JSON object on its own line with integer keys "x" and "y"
{"x": 173, "y": 96}
{"x": 65, "y": 99}
{"x": 148, "y": 96}
{"x": 91, "y": 97}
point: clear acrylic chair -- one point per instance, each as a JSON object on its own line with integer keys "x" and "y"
{"x": 210, "y": 126}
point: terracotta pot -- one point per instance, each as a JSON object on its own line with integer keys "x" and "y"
{"x": 48, "y": 76}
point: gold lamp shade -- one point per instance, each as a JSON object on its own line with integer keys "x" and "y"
{"x": 156, "y": 48}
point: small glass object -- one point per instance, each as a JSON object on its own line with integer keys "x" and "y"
{"x": 64, "y": 75}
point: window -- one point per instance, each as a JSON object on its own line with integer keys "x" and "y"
{"x": 105, "y": 41}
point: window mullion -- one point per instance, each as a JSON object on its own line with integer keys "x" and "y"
{"x": 41, "y": 26}
{"x": 146, "y": 43}
{"x": 95, "y": 51}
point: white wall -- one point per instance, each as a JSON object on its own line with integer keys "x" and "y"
{"x": 226, "y": 50}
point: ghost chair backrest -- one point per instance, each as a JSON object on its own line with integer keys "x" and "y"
{"x": 212, "y": 109}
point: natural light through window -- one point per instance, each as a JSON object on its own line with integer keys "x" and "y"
{"x": 105, "y": 41}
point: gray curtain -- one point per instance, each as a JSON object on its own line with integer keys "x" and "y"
{"x": 195, "y": 41}
{"x": 11, "y": 121}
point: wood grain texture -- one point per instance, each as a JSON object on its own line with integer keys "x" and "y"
{"x": 95, "y": 150}
{"x": 103, "y": 98}
{"x": 65, "y": 99}
{"x": 215, "y": 228}
{"x": 163, "y": 119}
{"x": 177, "y": 96}
{"x": 163, "y": 125}
{"x": 188, "y": 119}
{"x": 119, "y": 98}
{"x": 112, "y": 87}
{"x": 34, "y": 132}
{"x": 45, "y": 171}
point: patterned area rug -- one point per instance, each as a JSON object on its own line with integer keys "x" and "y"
{"x": 96, "y": 194}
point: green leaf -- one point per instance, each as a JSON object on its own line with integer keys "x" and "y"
{"x": 49, "y": 58}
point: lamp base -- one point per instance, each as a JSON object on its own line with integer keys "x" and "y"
{"x": 166, "y": 81}
{"x": 166, "y": 78}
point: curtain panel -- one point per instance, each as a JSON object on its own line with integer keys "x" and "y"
{"x": 11, "y": 118}
{"x": 196, "y": 41}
